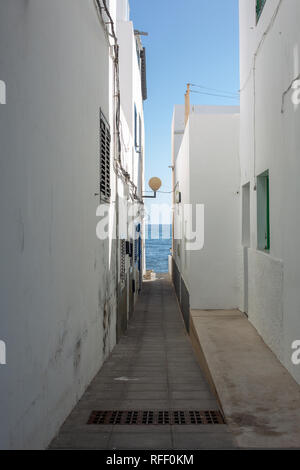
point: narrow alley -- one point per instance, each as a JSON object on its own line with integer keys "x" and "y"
{"x": 153, "y": 368}
{"x": 150, "y": 226}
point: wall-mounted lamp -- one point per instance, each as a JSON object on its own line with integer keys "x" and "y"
{"x": 155, "y": 185}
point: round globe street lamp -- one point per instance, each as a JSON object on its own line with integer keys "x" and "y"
{"x": 155, "y": 184}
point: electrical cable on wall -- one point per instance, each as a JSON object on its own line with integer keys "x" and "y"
{"x": 101, "y": 7}
{"x": 252, "y": 72}
{"x": 264, "y": 36}
{"x": 288, "y": 90}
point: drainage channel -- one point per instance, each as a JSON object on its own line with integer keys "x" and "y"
{"x": 153, "y": 417}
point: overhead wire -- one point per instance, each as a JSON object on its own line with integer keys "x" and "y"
{"x": 215, "y": 89}
{"x": 215, "y": 94}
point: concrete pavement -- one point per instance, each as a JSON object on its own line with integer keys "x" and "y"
{"x": 152, "y": 368}
{"x": 260, "y": 398}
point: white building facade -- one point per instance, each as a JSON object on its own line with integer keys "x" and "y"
{"x": 69, "y": 141}
{"x": 270, "y": 170}
{"x": 206, "y": 182}
{"x": 133, "y": 92}
{"x": 250, "y": 259}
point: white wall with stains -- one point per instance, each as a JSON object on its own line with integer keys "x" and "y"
{"x": 58, "y": 281}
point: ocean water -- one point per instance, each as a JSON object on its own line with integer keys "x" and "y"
{"x": 158, "y": 245}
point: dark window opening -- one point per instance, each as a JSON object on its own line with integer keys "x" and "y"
{"x": 144, "y": 74}
{"x": 105, "y": 139}
{"x": 136, "y": 130}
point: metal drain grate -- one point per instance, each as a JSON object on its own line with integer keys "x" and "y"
{"x": 183, "y": 417}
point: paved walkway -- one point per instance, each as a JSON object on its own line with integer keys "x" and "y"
{"x": 260, "y": 398}
{"x": 152, "y": 368}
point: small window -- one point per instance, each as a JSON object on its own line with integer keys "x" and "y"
{"x": 138, "y": 52}
{"x": 263, "y": 212}
{"x": 105, "y": 140}
{"x": 136, "y": 129}
{"x": 140, "y": 133}
{"x": 259, "y": 8}
{"x": 129, "y": 250}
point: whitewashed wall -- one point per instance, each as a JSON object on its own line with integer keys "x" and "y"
{"x": 215, "y": 180}
{"x": 131, "y": 97}
{"x": 207, "y": 172}
{"x": 177, "y": 130}
{"x": 58, "y": 281}
{"x": 274, "y": 278}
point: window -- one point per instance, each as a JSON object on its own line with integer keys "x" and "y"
{"x": 105, "y": 139}
{"x": 136, "y": 129}
{"x": 259, "y": 8}
{"x": 140, "y": 133}
{"x": 246, "y": 215}
{"x": 129, "y": 251}
{"x": 263, "y": 212}
{"x": 138, "y": 52}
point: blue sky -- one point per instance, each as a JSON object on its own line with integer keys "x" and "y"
{"x": 192, "y": 41}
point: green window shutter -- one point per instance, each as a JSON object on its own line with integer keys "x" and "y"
{"x": 263, "y": 212}
{"x": 259, "y": 8}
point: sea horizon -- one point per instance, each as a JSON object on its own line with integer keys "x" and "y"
{"x": 158, "y": 245}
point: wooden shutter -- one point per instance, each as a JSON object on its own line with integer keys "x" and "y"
{"x": 105, "y": 140}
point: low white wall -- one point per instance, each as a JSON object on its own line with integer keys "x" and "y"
{"x": 266, "y": 299}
